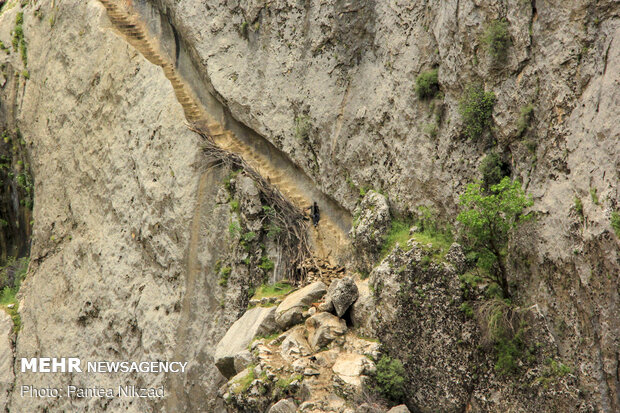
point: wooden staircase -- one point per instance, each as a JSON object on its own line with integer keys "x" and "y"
{"x": 329, "y": 238}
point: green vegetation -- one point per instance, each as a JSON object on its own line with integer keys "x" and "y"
{"x": 19, "y": 42}
{"x": 243, "y": 383}
{"x": 398, "y": 234}
{"x": 525, "y": 118}
{"x": 234, "y": 228}
{"x": 594, "y": 195}
{"x": 615, "y": 222}
{"x": 266, "y": 264}
{"x": 224, "y": 275}
{"x": 390, "y": 378}
{"x": 431, "y": 130}
{"x": 476, "y": 107}
{"x": 234, "y": 205}
{"x": 285, "y": 384}
{"x": 552, "y": 372}
{"x": 488, "y": 219}
{"x": 302, "y": 127}
{"x": 249, "y": 236}
{"x": 278, "y": 289}
{"x": 493, "y": 170}
{"x": 578, "y": 206}
{"x": 497, "y": 39}
{"x": 506, "y": 330}
{"x": 8, "y": 302}
{"x": 427, "y": 84}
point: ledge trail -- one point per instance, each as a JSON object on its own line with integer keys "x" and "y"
{"x": 329, "y": 238}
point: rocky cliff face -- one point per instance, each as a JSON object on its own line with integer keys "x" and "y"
{"x": 138, "y": 250}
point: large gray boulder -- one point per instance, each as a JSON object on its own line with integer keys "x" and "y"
{"x": 283, "y": 406}
{"x": 256, "y": 321}
{"x": 290, "y": 311}
{"x": 340, "y": 295}
{"x": 323, "y": 328}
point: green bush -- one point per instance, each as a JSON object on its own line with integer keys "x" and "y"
{"x": 427, "y": 84}
{"x": 497, "y": 39}
{"x": 266, "y": 264}
{"x": 476, "y": 107}
{"x": 493, "y": 170}
{"x": 615, "y": 222}
{"x": 390, "y": 377}
{"x": 224, "y": 275}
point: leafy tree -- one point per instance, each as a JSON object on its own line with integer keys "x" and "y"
{"x": 489, "y": 219}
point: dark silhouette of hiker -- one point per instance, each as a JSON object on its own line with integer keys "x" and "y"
{"x": 315, "y": 214}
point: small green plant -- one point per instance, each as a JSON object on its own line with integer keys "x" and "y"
{"x": 285, "y": 384}
{"x": 615, "y": 222}
{"x": 390, "y": 378}
{"x": 493, "y": 170}
{"x": 594, "y": 195}
{"x": 489, "y": 218}
{"x": 467, "y": 310}
{"x": 234, "y": 228}
{"x": 234, "y": 205}
{"x": 476, "y": 108}
{"x": 431, "y": 130}
{"x": 224, "y": 275}
{"x": 302, "y": 127}
{"x": 244, "y": 29}
{"x": 578, "y": 206}
{"x": 427, "y": 84}
{"x": 496, "y": 38}
{"x": 525, "y": 117}
{"x": 244, "y": 382}
{"x": 266, "y": 264}
{"x": 249, "y": 236}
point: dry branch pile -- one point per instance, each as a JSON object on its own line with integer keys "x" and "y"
{"x": 293, "y": 237}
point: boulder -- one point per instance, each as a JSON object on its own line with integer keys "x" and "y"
{"x": 351, "y": 367}
{"x": 323, "y": 328}
{"x": 362, "y": 313}
{"x": 290, "y": 311}
{"x": 370, "y": 408}
{"x": 242, "y": 360}
{"x": 283, "y": 406}
{"x": 399, "y": 409}
{"x": 255, "y": 321}
{"x": 340, "y": 295}
{"x": 295, "y": 344}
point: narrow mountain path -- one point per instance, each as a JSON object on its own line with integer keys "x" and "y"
{"x": 329, "y": 238}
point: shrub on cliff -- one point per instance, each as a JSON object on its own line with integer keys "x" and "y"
{"x": 488, "y": 219}
{"x": 497, "y": 39}
{"x": 390, "y": 377}
{"x": 476, "y": 107}
{"x": 427, "y": 84}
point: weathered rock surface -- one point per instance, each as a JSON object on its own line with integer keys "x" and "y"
{"x": 372, "y": 222}
{"x": 340, "y": 295}
{"x": 363, "y": 311}
{"x": 352, "y": 367}
{"x": 399, "y": 409}
{"x": 6, "y": 357}
{"x": 283, "y": 406}
{"x": 289, "y": 312}
{"x": 323, "y": 328}
{"x": 256, "y": 321}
